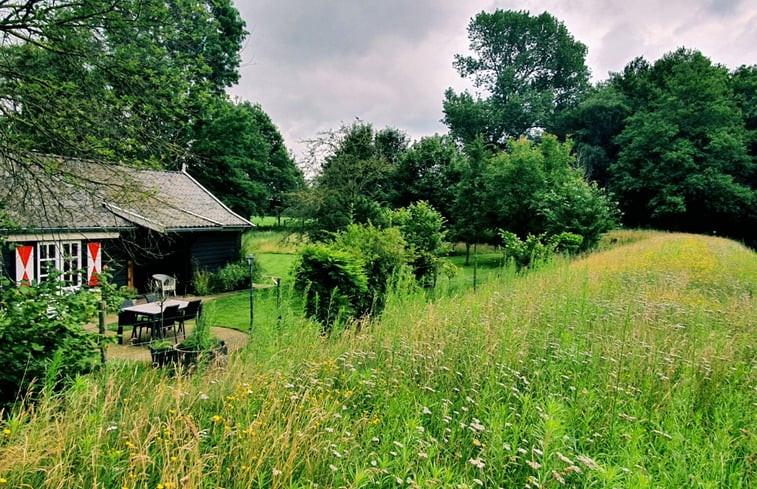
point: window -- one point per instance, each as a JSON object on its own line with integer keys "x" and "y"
{"x": 65, "y": 257}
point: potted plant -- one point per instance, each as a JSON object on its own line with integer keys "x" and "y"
{"x": 162, "y": 353}
{"x": 200, "y": 345}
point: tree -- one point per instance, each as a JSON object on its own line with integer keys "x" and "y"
{"x": 684, "y": 162}
{"x": 352, "y": 185}
{"x": 120, "y": 80}
{"x": 469, "y": 215}
{"x": 428, "y": 171}
{"x": 421, "y": 227}
{"x": 593, "y": 126}
{"x": 239, "y": 155}
{"x": 535, "y": 187}
{"x": 529, "y": 67}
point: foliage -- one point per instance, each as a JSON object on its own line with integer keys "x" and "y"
{"x": 421, "y": 227}
{"x": 355, "y": 163}
{"x": 578, "y": 208}
{"x": 350, "y": 277}
{"x": 38, "y": 322}
{"x": 233, "y": 276}
{"x": 593, "y": 125}
{"x": 334, "y": 284}
{"x": 239, "y": 155}
{"x": 383, "y": 255}
{"x": 534, "y": 188}
{"x": 200, "y": 338}
{"x": 683, "y": 162}
{"x": 530, "y": 67}
{"x": 535, "y": 250}
{"x": 120, "y": 80}
{"x": 428, "y": 171}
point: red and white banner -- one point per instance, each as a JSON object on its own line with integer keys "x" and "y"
{"x": 24, "y": 265}
{"x": 94, "y": 263}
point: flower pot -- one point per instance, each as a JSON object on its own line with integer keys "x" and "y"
{"x": 192, "y": 357}
{"x": 163, "y": 356}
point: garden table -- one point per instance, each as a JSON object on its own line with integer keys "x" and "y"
{"x": 152, "y": 313}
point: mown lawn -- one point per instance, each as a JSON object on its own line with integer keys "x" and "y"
{"x": 633, "y": 367}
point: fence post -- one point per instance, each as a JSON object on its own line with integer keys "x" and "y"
{"x": 101, "y": 328}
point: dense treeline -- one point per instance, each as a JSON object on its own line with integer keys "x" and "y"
{"x": 143, "y": 82}
{"x": 669, "y": 144}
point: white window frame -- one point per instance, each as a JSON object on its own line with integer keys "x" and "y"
{"x": 64, "y": 256}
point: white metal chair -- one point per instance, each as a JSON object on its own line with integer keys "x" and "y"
{"x": 165, "y": 283}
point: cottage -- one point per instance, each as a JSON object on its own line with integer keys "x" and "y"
{"x": 79, "y": 216}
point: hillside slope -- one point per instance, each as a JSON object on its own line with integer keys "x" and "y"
{"x": 633, "y": 367}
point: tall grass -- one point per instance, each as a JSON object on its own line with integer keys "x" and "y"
{"x": 634, "y": 367}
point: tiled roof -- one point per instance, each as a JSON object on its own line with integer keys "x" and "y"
{"x": 76, "y": 195}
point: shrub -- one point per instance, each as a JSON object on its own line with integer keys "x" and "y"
{"x": 334, "y": 283}
{"x": 578, "y": 207}
{"x": 234, "y": 276}
{"x": 537, "y": 249}
{"x": 421, "y": 227}
{"x": 39, "y": 324}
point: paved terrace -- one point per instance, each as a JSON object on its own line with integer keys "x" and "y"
{"x": 234, "y": 339}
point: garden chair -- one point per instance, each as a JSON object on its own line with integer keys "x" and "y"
{"x": 168, "y": 321}
{"x": 165, "y": 283}
{"x": 131, "y": 318}
{"x": 192, "y": 311}
{"x": 151, "y": 297}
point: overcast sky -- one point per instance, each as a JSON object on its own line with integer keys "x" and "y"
{"x": 315, "y": 64}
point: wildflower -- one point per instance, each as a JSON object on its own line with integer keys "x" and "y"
{"x": 336, "y": 454}
{"x": 276, "y": 472}
{"x": 333, "y": 467}
{"x": 422, "y": 455}
{"x": 3, "y": 480}
{"x": 476, "y": 442}
{"x": 204, "y": 397}
{"x": 398, "y": 444}
{"x": 479, "y": 482}
{"x": 533, "y": 464}
{"x": 109, "y": 428}
{"x": 477, "y": 462}
{"x": 558, "y": 477}
{"x": 426, "y": 410}
{"x": 216, "y": 418}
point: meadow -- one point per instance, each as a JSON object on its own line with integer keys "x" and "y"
{"x": 635, "y": 366}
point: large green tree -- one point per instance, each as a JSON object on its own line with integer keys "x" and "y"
{"x": 352, "y": 184}
{"x": 240, "y": 156}
{"x": 427, "y": 171}
{"x": 684, "y": 162}
{"x": 122, "y": 80}
{"x": 528, "y": 67}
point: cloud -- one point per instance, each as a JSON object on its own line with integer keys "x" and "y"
{"x": 315, "y": 64}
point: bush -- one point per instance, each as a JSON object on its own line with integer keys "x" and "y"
{"x": 537, "y": 249}
{"x": 581, "y": 208}
{"x": 421, "y": 227}
{"x": 333, "y": 282}
{"x": 350, "y": 277}
{"x": 42, "y": 336}
{"x": 234, "y": 276}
